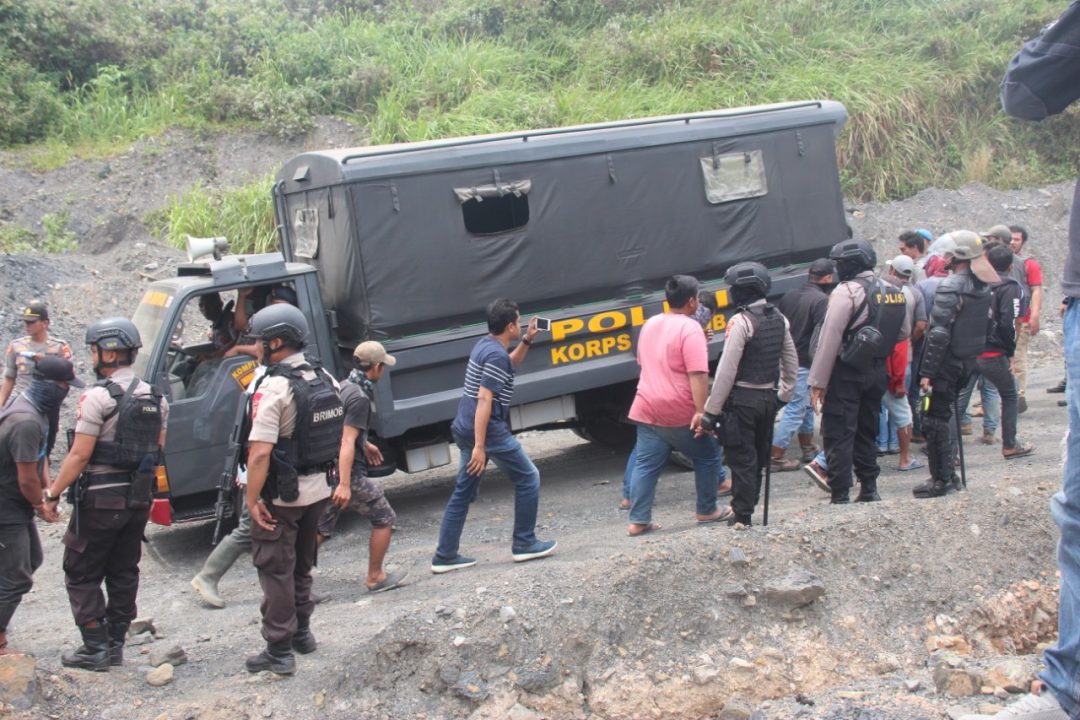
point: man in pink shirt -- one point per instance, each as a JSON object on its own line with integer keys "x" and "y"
{"x": 671, "y": 393}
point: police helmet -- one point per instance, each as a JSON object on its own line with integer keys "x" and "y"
{"x": 280, "y": 321}
{"x": 115, "y": 333}
{"x": 856, "y": 252}
{"x": 750, "y": 276}
{"x": 968, "y": 245}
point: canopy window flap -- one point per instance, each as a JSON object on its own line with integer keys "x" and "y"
{"x": 499, "y": 189}
{"x": 734, "y": 176}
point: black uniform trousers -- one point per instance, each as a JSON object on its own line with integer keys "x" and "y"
{"x": 284, "y": 557}
{"x": 950, "y": 380}
{"x": 747, "y": 427}
{"x": 849, "y": 425}
{"x": 107, "y": 548}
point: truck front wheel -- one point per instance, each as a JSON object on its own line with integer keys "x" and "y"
{"x": 602, "y": 416}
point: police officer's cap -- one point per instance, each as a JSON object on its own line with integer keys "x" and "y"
{"x": 750, "y": 275}
{"x": 280, "y": 321}
{"x": 858, "y": 252}
{"x": 115, "y": 333}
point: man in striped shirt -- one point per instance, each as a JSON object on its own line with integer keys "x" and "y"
{"x": 482, "y": 429}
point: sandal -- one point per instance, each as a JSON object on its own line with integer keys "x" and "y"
{"x": 1021, "y": 450}
{"x": 721, "y": 515}
{"x": 624, "y": 504}
{"x": 645, "y": 529}
{"x": 912, "y": 465}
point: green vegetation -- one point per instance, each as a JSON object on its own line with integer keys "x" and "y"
{"x": 919, "y": 77}
{"x": 243, "y": 215}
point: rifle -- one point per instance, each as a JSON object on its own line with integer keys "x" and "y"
{"x": 233, "y": 458}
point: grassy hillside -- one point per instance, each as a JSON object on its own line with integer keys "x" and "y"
{"x": 919, "y": 77}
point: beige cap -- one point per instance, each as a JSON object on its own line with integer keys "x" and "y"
{"x": 998, "y": 232}
{"x": 969, "y": 247}
{"x": 371, "y": 352}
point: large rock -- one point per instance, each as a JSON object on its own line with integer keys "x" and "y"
{"x": 1011, "y": 674}
{"x": 160, "y": 676}
{"x": 173, "y": 656}
{"x": 18, "y": 687}
{"x": 796, "y": 589}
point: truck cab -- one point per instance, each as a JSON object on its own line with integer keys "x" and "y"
{"x": 203, "y": 382}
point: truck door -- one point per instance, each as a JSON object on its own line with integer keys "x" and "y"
{"x": 204, "y": 386}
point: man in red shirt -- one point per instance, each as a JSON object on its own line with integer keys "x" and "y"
{"x": 1028, "y": 273}
{"x": 670, "y": 401}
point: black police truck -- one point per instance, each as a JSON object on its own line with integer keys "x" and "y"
{"x": 407, "y": 244}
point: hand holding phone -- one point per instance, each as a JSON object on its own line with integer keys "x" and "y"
{"x": 543, "y": 324}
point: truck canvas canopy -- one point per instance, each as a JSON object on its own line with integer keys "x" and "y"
{"x": 436, "y": 230}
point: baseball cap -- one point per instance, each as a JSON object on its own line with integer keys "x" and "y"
{"x": 35, "y": 310}
{"x": 902, "y": 265}
{"x": 371, "y": 352}
{"x": 998, "y": 232}
{"x": 52, "y": 367}
{"x": 822, "y": 267}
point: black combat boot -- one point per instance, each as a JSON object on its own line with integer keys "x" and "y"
{"x": 117, "y": 637}
{"x": 93, "y": 654}
{"x": 868, "y": 492}
{"x": 303, "y": 641}
{"x": 930, "y": 489}
{"x": 278, "y": 658}
{"x": 840, "y": 496}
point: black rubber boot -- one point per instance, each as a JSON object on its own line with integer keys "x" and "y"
{"x": 303, "y": 641}
{"x": 868, "y": 492}
{"x": 93, "y": 654}
{"x": 278, "y": 658}
{"x": 117, "y": 637}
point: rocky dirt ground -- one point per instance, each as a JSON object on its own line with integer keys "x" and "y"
{"x": 901, "y": 610}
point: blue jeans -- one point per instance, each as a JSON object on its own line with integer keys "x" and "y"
{"x": 507, "y": 454}
{"x": 991, "y": 403}
{"x": 628, "y": 474}
{"x": 797, "y": 415}
{"x": 1062, "y": 673}
{"x": 654, "y": 446}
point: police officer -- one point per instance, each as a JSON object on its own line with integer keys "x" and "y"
{"x": 295, "y": 434}
{"x": 758, "y": 353}
{"x": 21, "y": 354}
{"x": 119, "y": 433}
{"x": 864, "y": 318}
{"x": 957, "y": 335}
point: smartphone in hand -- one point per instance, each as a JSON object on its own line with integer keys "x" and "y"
{"x": 543, "y": 323}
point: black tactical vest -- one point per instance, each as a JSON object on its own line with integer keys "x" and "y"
{"x": 320, "y": 416}
{"x": 138, "y": 427}
{"x": 968, "y": 332}
{"x": 886, "y": 310}
{"x": 760, "y": 362}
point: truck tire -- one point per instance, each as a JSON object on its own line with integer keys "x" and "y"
{"x": 602, "y": 416}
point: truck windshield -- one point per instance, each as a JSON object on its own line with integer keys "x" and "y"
{"x": 149, "y": 318}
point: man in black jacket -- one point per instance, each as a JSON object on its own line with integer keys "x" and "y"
{"x": 995, "y": 361}
{"x": 804, "y": 307}
{"x": 957, "y": 335}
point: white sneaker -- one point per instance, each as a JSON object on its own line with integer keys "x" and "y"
{"x": 1029, "y": 707}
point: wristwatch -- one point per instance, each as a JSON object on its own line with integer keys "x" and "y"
{"x": 526, "y": 341}
{"x": 49, "y": 498}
